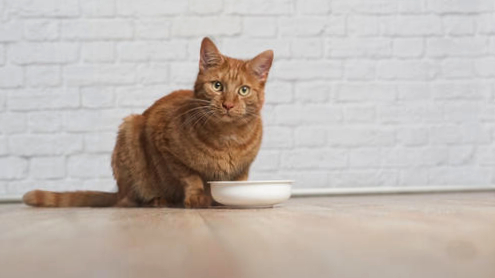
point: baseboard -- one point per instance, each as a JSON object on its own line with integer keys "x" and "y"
{"x": 308, "y": 192}
{"x": 313, "y": 192}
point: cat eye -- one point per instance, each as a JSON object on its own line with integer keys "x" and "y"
{"x": 217, "y": 86}
{"x": 244, "y": 91}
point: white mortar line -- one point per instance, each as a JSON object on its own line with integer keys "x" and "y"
{"x": 309, "y": 192}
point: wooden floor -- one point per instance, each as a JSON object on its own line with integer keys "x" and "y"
{"x": 436, "y": 235}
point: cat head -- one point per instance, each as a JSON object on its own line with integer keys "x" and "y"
{"x": 234, "y": 89}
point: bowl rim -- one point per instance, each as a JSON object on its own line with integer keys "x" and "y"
{"x": 261, "y": 182}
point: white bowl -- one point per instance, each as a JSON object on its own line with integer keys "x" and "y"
{"x": 251, "y": 193}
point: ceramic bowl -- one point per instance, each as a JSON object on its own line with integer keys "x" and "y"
{"x": 251, "y": 193}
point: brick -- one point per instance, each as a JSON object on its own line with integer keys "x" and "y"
{"x": 2, "y": 55}
{"x": 457, "y": 68}
{"x": 45, "y": 121}
{"x": 365, "y": 177}
{"x": 258, "y": 7}
{"x": 443, "y": 47}
{"x": 259, "y": 27}
{"x": 46, "y": 8}
{"x": 100, "y": 142}
{"x": 183, "y": 72}
{"x": 213, "y": 26}
{"x": 151, "y": 8}
{"x": 203, "y": 7}
{"x": 364, "y": 6}
{"x": 335, "y": 25}
{"x": 89, "y": 166}
{"x": 139, "y": 96}
{"x": 249, "y": 48}
{"x": 43, "y": 76}
{"x": 44, "y": 53}
{"x": 413, "y": 176}
{"x": 306, "y": 178}
{"x": 93, "y": 120}
{"x": 278, "y": 92}
{"x": 311, "y": 159}
{"x": 360, "y": 136}
{"x": 41, "y": 30}
{"x": 359, "y": 114}
{"x": 363, "y": 25}
{"x": 459, "y": 25}
{"x": 413, "y": 91}
{"x": 153, "y": 29}
{"x": 37, "y": 99}
{"x": 460, "y": 175}
{"x": 360, "y": 69}
{"x": 406, "y": 70}
{"x": 359, "y": 92}
{"x": 47, "y": 167}
{"x": 485, "y": 23}
{"x": 97, "y": 29}
{"x": 308, "y": 114}
{"x": 411, "y": 7}
{"x": 266, "y": 160}
{"x": 485, "y": 155}
{"x": 460, "y": 90}
{"x": 98, "y": 52}
{"x": 317, "y": 92}
{"x": 301, "y": 26}
{"x": 413, "y": 136}
{"x": 307, "y": 48}
{"x": 11, "y": 77}
{"x": 276, "y": 137}
{"x": 3, "y": 146}
{"x": 153, "y": 73}
{"x": 485, "y": 66}
{"x": 97, "y": 97}
{"x": 80, "y": 75}
{"x": 459, "y": 6}
{"x": 411, "y": 25}
{"x": 45, "y": 144}
{"x": 313, "y": 7}
{"x": 358, "y": 47}
{"x": 307, "y": 70}
{"x": 310, "y": 136}
{"x": 408, "y": 47}
{"x": 98, "y": 8}
{"x": 461, "y": 155}
{"x": 139, "y": 51}
{"x": 13, "y": 168}
{"x": 11, "y": 123}
{"x": 475, "y": 133}
{"x": 409, "y": 113}
{"x": 446, "y": 134}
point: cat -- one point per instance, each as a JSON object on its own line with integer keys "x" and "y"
{"x": 165, "y": 156}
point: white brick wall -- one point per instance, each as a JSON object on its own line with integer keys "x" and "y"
{"x": 362, "y": 92}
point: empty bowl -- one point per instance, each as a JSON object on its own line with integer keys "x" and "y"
{"x": 251, "y": 193}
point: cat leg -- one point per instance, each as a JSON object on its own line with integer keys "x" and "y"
{"x": 157, "y": 203}
{"x": 243, "y": 176}
{"x": 194, "y": 193}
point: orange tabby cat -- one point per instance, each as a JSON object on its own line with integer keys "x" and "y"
{"x": 165, "y": 156}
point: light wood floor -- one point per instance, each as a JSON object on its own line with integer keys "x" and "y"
{"x": 436, "y": 235}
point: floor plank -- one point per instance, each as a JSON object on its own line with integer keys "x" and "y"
{"x": 434, "y": 235}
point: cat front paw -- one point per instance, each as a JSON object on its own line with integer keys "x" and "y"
{"x": 198, "y": 201}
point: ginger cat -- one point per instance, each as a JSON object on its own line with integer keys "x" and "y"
{"x": 165, "y": 156}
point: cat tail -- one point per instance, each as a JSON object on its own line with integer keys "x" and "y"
{"x": 41, "y": 198}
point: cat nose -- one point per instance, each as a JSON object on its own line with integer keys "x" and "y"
{"x": 228, "y": 105}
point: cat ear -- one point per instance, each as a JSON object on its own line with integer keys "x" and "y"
{"x": 261, "y": 64}
{"x": 209, "y": 55}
